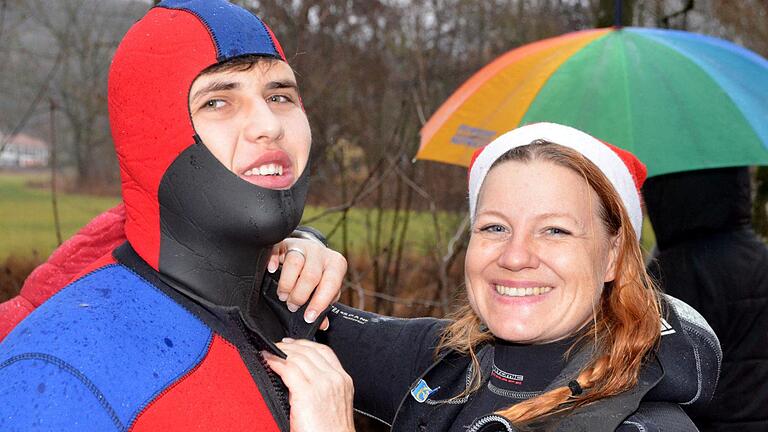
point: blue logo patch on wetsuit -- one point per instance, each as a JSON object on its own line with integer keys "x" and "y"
{"x": 421, "y": 392}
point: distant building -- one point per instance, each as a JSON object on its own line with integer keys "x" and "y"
{"x": 24, "y": 151}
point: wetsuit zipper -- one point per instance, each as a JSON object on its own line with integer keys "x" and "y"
{"x": 484, "y": 421}
{"x": 277, "y": 386}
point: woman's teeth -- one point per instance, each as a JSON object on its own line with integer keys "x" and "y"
{"x": 268, "y": 169}
{"x": 522, "y": 292}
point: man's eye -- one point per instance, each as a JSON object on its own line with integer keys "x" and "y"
{"x": 279, "y": 99}
{"x": 214, "y": 104}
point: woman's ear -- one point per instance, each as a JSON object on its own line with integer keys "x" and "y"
{"x": 614, "y": 247}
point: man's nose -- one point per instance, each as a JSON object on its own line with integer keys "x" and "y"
{"x": 519, "y": 252}
{"x": 262, "y": 124}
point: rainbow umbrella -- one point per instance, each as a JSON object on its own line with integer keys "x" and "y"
{"x": 680, "y": 101}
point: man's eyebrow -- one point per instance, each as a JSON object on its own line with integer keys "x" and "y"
{"x": 214, "y": 87}
{"x": 282, "y": 84}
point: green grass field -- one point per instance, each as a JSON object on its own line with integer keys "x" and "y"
{"x": 27, "y": 228}
{"x": 420, "y": 235}
{"x": 26, "y": 215}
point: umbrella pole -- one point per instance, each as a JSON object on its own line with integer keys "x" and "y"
{"x": 617, "y": 12}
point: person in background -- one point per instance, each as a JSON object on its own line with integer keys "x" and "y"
{"x": 166, "y": 332}
{"x": 709, "y": 257}
{"x": 562, "y": 328}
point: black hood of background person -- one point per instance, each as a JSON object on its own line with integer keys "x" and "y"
{"x": 709, "y": 257}
{"x": 688, "y": 205}
{"x": 206, "y": 231}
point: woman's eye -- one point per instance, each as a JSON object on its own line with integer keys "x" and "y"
{"x": 557, "y": 231}
{"x": 493, "y": 229}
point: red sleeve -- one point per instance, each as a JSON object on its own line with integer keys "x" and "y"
{"x": 12, "y": 312}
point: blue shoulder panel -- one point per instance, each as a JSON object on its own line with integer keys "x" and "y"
{"x": 101, "y": 349}
{"x": 37, "y": 395}
{"x": 235, "y": 31}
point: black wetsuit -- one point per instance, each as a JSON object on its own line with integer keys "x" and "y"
{"x": 519, "y": 372}
{"x": 400, "y": 380}
{"x": 709, "y": 257}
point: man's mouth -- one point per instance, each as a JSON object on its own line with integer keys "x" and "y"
{"x": 271, "y": 170}
{"x": 265, "y": 170}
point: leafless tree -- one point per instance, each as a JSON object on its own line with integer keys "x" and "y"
{"x": 75, "y": 39}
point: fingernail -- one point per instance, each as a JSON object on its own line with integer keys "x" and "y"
{"x": 310, "y": 316}
{"x": 288, "y": 340}
{"x": 282, "y": 296}
{"x": 292, "y": 307}
{"x": 272, "y": 267}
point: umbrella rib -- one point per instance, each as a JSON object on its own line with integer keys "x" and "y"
{"x": 628, "y": 110}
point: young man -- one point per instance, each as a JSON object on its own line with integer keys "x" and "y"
{"x": 166, "y": 332}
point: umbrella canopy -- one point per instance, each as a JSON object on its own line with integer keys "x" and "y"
{"x": 680, "y": 101}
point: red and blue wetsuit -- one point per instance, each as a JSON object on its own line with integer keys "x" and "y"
{"x": 165, "y": 332}
{"x": 120, "y": 350}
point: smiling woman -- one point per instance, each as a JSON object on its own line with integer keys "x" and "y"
{"x": 562, "y": 328}
{"x": 549, "y": 219}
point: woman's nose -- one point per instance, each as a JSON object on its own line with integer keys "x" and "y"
{"x": 262, "y": 124}
{"x": 519, "y": 252}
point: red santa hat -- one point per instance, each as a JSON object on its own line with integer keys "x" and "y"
{"x": 625, "y": 172}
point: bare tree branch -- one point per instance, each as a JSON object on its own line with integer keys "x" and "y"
{"x": 33, "y": 105}
{"x": 664, "y": 21}
{"x": 54, "y": 151}
{"x": 3, "y": 9}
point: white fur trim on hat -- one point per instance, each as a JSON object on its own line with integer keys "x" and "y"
{"x": 593, "y": 149}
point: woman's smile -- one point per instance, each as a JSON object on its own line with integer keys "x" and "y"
{"x": 518, "y": 293}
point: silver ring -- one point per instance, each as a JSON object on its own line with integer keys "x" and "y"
{"x": 295, "y": 249}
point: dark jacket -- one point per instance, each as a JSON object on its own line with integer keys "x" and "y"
{"x": 388, "y": 358}
{"x": 709, "y": 257}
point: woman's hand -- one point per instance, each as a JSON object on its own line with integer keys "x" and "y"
{"x": 308, "y": 266}
{"x": 320, "y": 391}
